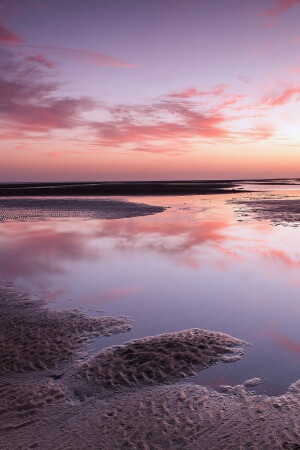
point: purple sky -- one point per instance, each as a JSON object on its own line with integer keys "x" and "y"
{"x": 149, "y": 89}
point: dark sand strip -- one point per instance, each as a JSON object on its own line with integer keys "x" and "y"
{"x": 36, "y": 209}
{"x": 279, "y": 211}
{"x": 118, "y": 188}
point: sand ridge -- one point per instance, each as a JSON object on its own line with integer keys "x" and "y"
{"x": 161, "y": 358}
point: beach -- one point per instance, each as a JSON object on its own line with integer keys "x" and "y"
{"x": 130, "y": 396}
{"x": 75, "y": 377}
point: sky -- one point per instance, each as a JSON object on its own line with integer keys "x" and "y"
{"x": 149, "y": 89}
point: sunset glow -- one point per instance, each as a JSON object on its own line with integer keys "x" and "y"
{"x": 149, "y": 89}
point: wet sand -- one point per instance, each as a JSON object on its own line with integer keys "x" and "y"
{"x": 36, "y": 209}
{"x": 118, "y": 188}
{"x": 279, "y": 211}
{"x": 126, "y": 397}
{"x": 136, "y": 188}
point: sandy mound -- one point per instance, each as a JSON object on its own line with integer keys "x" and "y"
{"x": 33, "y": 337}
{"x": 35, "y": 209}
{"x": 160, "y": 358}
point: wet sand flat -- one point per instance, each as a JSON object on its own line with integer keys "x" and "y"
{"x": 277, "y": 211}
{"x": 37, "y": 209}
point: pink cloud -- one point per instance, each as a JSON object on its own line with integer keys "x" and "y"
{"x": 31, "y": 110}
{"x": 184, "y": 122}
{"x": 260, "y": 132}
{"x": 29, "y": 100}
{"x": 280, "y": 6}
{"x": 194, "y": 92}
{"x": 230, "y": 100}
{"x": 40, "y": 59}
{"x": 55, "y": 114}
{"x": 188, "y": 93}
{"x": 86, "y": 56}
{"x": 7, "y": 36}
{"x": 283, "y": 96}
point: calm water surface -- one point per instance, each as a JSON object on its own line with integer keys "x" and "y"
{"x": 205, "y": 262}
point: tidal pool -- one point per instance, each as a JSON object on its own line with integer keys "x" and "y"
{"x": 209, "y": 262}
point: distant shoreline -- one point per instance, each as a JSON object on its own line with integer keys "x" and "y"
{"x": 133, "y": 188}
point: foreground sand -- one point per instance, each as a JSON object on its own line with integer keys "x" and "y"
{"x": 126, "y": 397}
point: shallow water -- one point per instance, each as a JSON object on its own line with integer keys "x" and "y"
{"x": 205, "y": 262}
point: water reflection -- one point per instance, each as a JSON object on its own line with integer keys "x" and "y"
{"x": 34, "y": 250}
{"x": 193, "y": 265}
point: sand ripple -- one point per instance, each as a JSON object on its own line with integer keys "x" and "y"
{"x": 33, "y": 337}
{"x": 160, "y": 358}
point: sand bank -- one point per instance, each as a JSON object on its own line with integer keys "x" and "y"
{"x": 279, "y": 211}
{"x": 126, "y": 397}
{"x": 36, "y": 209}
{"x": 161, "y": 358}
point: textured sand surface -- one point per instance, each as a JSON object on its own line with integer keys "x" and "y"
{"x": 36, "y": 209}
{"x": 33, "y": 337}
{"x": 161, "y": 358}
{"x": 278, "y": 211}
{"x": 50, "y": 402}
